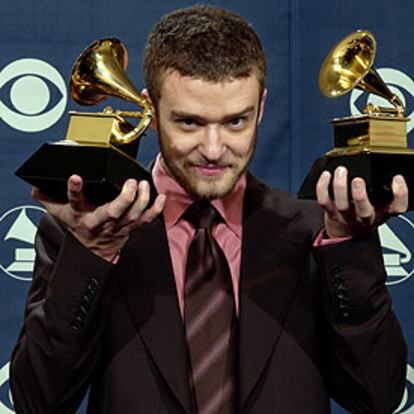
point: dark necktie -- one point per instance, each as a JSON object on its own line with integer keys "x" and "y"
{"x": 209, "y": 317}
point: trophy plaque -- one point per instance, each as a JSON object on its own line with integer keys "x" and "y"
{"x": 372, "y": 145}
{"x": 100, "y": 147}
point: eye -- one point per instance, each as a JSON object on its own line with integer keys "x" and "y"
{"x": 237, "y": 123}
{"x": 33, "y": 95}
{"x": 188, "y": 124}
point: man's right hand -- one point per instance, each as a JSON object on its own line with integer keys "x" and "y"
{"x": 104, "y": 229}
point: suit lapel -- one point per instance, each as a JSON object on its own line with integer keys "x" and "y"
{"x": 147, "y": 282}
{"x": 271, "y": 258}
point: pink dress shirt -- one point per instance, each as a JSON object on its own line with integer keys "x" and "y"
{"x": 228, "y": 234}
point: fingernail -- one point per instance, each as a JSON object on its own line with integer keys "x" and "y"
{"x": 358, "y": 184}
{"x": 129, "y": 187}
{"x": 326, "y": 175}
{"x": 75, "y": 180}
{"x": 340, "y": 172}
{"x": 143, "y": 185}
{"x": 399, "y": 180}
{"x": 397, "y": 183}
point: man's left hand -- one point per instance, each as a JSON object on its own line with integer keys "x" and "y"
{"x": 344, "y": 218}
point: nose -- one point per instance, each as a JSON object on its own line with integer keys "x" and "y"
{"x": 212, "y": 147}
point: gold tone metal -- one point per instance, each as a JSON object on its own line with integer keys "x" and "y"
{"x": 372, "y": 145}
{"x": 349, "y": 65}
{"x": 100, "y": 128}
{"x": 364, "y": 149}
{"x": 382, "y": 130}
{"x": 100, "y": 71}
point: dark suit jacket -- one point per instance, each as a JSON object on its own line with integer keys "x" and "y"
{"x": 313, "y": 324}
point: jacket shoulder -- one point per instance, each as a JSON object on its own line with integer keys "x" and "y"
{"x": 279, "y": 203}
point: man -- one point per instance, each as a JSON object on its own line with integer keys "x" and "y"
{"x": 307, "y": 313}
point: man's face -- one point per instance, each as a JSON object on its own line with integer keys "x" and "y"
{"x": 207, "y": 131}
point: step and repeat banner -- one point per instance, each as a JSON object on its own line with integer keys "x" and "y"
{"x": 39, "y": 42}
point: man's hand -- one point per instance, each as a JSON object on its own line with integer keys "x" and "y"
{"x": 344, "y": 218}
{"x": 104, "y": 229}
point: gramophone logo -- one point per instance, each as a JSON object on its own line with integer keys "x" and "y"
{"x": 18, "y": 227}
{"x": 32, "y": 81}
{"x": 398, "y": 82}
{"x": 397, "y": 244}
{"x": 6, "y": 402}
{"x": 407, "y": 403}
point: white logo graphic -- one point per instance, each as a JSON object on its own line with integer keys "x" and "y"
{"x": 396, "y": 250}
{"x": 30, "y": 95}
{"x": 18, "y": 227}
{"x": 396, "y": 81}
{"x": 6, "y": 401}
{"x": 407, "y": 403}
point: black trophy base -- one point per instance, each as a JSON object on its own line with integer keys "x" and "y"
{"x": 103, "y": 170}
{"x": 376, "y": 168}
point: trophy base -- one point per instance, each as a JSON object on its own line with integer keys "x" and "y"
{"x": 103, "y": 170}
{"x": 377, "y": 168}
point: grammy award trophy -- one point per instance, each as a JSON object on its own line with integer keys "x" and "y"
{"x": 99, "y": 146}
{"x": 373, "y": 145}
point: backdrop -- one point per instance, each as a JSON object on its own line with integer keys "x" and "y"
{"x": 40, "y": 40}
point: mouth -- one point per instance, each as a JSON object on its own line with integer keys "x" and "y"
{"x": 213, "y": 170}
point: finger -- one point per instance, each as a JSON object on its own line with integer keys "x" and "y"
{"x": 340, "y": 189}
{"x": 155, "y": 209}
{"x": 322, "y": 192}
{"x": 364, "y": 210}
{"x": 114, "y": 210}
{"x": 139, "y": 205}
{"x": 143, "y": 198}
{"x": 39, "y": 196}
{"x": 146, "y": 217}
{"x": 75, "y": 195}
{"x": 400, "y": 191}
{"x": 52, "y": 206}
{"x": 139, "y": 215}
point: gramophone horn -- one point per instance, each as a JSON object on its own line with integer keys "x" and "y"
{"x": 100, "y": 71}
{"x": 349, "y": 65}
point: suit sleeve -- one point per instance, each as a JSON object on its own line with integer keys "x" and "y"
{"x": 367, "y": 349}
{"x": 59, "y": 343}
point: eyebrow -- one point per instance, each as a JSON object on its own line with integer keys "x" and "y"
{"x": 201, "y": 119}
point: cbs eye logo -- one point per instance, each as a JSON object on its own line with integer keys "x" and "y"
{"x": 399, "y": 83}
{"x": 31, "y": 82}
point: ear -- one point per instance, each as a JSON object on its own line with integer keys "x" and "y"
{"x": 262, "y": 105}
{"x": 154, "y": 122}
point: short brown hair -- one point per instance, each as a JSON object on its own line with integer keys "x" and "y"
{"x": 205, "y": 42}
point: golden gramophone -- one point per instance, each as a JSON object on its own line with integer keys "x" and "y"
{"x": 372, "y": 145}
{"x": 100, "y": 147}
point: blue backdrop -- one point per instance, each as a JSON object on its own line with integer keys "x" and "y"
{"x": 39, "y": 42}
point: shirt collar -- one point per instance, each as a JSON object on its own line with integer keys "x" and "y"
{"x": 230, "y": 207}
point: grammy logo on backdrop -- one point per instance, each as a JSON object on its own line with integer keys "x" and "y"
{"x": 372, "y": 145}
{"x": 100, "y": 147}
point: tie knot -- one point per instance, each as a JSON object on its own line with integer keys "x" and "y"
{"x": 201, "y": 214}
